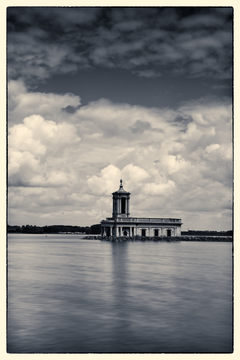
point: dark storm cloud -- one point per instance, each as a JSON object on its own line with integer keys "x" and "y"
{"x": 71, "y": 109}
{"x": 140, "y": 126}
{"x": 182, "y": 121}
{"x": 196, "y": 42}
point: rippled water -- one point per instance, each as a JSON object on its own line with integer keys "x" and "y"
{"x": 66, "y": 294}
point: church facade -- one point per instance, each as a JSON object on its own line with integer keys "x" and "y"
{"x": 121, "y": 224}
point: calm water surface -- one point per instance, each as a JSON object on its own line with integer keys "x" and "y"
{"x": 66, "y": 294}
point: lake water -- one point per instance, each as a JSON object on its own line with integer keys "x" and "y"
{"x": 66, "y": 294}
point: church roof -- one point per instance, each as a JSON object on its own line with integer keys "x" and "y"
{"x": 121, "y": 189}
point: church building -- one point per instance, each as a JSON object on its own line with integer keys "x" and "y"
{"x": 121, "y": 224}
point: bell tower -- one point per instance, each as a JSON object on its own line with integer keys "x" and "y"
{"x": 121, "y": 200}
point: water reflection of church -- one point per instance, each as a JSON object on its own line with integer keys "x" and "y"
{"x": 121, "y": 224}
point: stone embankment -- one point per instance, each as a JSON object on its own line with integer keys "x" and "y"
{"x": 164, "y": 238}
{"x": 205, "y": 238}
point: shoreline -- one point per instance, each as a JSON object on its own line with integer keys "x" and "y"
{"x": 164, "y": 238}
{"x": 206, "y": 238}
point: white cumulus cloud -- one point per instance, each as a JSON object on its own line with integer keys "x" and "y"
{"x": 30, "y": 143}
{"x": 23, "y": 103}
{"x": 171, "y": 160}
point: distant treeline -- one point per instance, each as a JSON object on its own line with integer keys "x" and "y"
{"x": 54, "y": 229}
{"x": 96, "y": 229}
{"x": 207, "y": 233}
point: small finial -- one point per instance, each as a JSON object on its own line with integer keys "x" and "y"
{"x": 121, "y": 185}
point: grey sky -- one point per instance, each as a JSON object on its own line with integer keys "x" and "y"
{"x": 96, "y": 94}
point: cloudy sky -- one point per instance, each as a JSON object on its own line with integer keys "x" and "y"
{"x": 99, "y": 94}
